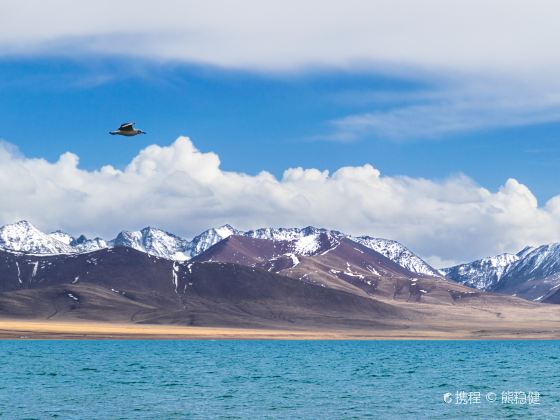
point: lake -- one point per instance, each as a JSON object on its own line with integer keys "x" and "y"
{"x": 279, "y": 379}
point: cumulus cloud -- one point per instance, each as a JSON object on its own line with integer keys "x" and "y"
{"x": 184, "y": 190}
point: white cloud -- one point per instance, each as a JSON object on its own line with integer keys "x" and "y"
{"x": 183, "y": 190}
{"x": 506, "y": 46}
{"x": 466, "y": 35}
{"x": 470, "y": 105}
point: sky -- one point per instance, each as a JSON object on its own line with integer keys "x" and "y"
{"x": 433, "y": 125}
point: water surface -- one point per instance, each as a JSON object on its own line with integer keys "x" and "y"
{"x": 276, "y": 379}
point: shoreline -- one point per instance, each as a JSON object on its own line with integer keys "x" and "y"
{"x": 86, "y": 330}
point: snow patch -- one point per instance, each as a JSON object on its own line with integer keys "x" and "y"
{"x": 295, "y": 259}
{"x": 34, "y": 272}
{"x": 174, "y": 272}
{"x": 18, "y": 273}
{"x": 73, "y": 297}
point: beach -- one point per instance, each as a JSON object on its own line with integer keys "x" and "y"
{"x": 77, "y": 330}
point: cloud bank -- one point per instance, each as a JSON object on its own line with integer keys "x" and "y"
{"x": 183, "y": 190}
{"x": 511, "y": 36}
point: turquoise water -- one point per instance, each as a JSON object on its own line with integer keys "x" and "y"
{"x": 275, "y": 379}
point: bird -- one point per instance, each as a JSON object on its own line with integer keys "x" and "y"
{"x": 127, "y": 129}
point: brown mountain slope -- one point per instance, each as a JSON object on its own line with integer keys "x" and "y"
{"x": 126, "y": 285}
{"x": 343, "y": 265}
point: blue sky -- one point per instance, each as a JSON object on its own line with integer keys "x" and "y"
{"x": 253, "y": 121}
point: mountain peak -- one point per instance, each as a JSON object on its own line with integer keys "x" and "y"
{"x": 227, "y": 226}
{"x": 80, "y": 240}
{"x": 63, "y": 237}
{"x": 150, "y": 229}
{"x": 212, "y": 236}
{"x": 398, "y": 253}
{"x": 226, "y": 230}
{"x": 482, "y": 274}
{"x": 21, "y": 224}
{"x": 525, "y": 251}
{"x": 153, "y": 241}
{"x": 23, "y": 236}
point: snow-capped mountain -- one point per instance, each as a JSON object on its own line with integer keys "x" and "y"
{"x": 287, "y": 234}
{"x": 24, "y": 237}
{"x": 523, "y": 253}
{"x": 83, "y": 244}
{"x": 398, "y": 253}
{"x": 536, "y": 275}
{"x": 80, "y": 244}
{"x": 61, "y": 236}
{"x": 538, "y": 262}
{"x": 483, "y": 274}
{"x": 206, "y": 239}
{"x": 155, "y": 242}
{"x": 533, "y": 273}
{"x": 314, "y": 244}
{"x": 303, "y": 241}
{"x": 393, "y": 250}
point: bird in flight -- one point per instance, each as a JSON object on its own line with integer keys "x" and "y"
{"x": 127, "y": 129}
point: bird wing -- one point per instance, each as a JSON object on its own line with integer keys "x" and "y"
{"x": 126, "y": 127}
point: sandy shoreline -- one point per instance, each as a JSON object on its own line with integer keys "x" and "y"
{"x": 40, "y": 329}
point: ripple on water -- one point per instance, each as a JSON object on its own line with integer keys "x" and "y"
{"x": 319, "y": 379}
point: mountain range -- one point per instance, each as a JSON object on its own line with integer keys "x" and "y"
{"x": 266, "y": 277}
{"x": 24, "y": 237}
{"x": 533, "y": 273}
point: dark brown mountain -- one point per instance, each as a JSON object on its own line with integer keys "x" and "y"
{"x": 122, "y": 284}
{"x": 342, "y": 265}
{"x": 251, "y": 251}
